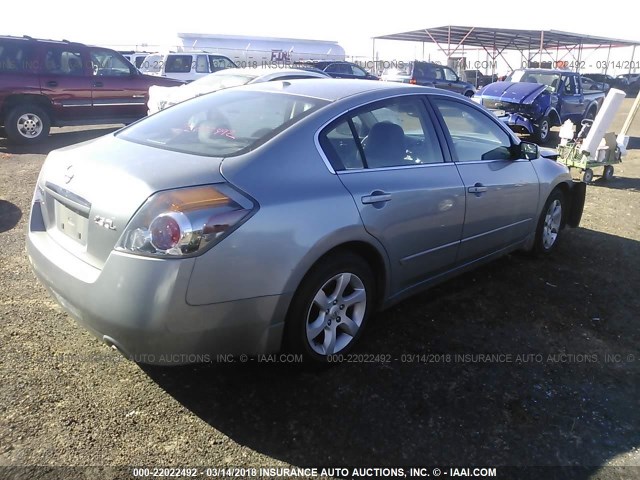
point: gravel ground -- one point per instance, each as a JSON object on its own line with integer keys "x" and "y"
{"x": 565, "y": 391}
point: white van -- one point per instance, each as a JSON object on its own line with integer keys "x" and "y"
{"x": 184, "y": 66}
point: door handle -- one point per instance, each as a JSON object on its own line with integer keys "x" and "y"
{"x": 376, "y": 197}
{"x": 52, "y": 83}
{"x": 478, "y": 189}
{"x": 98, "y": 84}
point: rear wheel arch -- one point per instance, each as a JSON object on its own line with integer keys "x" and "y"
{"x": 367, "y": 252}
{"x": 41, "y": 101}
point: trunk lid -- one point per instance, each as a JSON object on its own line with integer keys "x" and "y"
{"x": 91, "y": 190}
{"x": 513, "y": 92}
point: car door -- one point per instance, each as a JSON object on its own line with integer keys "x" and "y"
{"x": 65, "y": 79}
{"x": 388, "y": 156}
{"x": 118, "y": 90}
{"x": 573, "y": 107}
{"x": 502, "y": 190}
{"x": 448, "y": 80}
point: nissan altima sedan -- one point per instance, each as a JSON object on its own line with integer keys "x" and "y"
{"x": 281, "y": 215}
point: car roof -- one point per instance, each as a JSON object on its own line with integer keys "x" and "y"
{"x": 338, "y": 88}
{"x": 266, "y": 69}
{"x": 547, "y": 70}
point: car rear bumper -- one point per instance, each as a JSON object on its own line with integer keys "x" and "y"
{"x": 138, "y": 305}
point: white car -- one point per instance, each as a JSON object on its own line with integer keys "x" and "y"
{"x": 163, "y": 97}
{"x": 185, "y": 66}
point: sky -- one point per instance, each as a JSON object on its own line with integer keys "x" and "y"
{"x": 120, "y": 23}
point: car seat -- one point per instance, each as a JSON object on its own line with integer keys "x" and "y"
{"x": 385, "y": 145}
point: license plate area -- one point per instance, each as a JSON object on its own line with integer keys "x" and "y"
{"x": 73, "y": 224}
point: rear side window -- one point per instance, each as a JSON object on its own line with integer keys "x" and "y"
{"x": 63, "y": 61}
{"x": 17, "y": 57}
{"x": 230, "y": 122}
{"x": 388, "y": 134}
{"x": 475, "y": 136}
{"x": 178, "y": 64}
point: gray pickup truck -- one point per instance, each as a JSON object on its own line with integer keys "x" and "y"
{"x": 531, "y": 101}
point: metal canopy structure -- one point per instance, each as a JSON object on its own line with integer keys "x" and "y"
{"x": 496, "y": 40}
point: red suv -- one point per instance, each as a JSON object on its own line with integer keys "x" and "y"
{"x": 46, "y": 83}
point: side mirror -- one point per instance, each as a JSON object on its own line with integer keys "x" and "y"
{"x": 529, "y": 150}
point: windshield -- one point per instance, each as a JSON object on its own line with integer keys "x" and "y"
{"x": 229, "y": 122}
{"x": 551, "y": 80}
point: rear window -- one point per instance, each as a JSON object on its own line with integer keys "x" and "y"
{"x": 225, "y": 123}
{"x": 17, "y": 57}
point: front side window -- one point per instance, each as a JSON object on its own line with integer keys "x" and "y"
{"x": 217, "y": 62}
{"x": 450, "y": 75}
{"x": 106, "y": 63}
{"x": 388, "y": 134}
{"x": 357, "y": 71}
{"x": 228, "y": 123}
{"x": 475, "y": 136}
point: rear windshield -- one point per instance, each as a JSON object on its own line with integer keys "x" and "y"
{"x": 225, "y": 123}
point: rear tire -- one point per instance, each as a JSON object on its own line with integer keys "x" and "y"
{"x": 27, "y": 124}
{"x": 330, "y": 309}
{"x": 587, "y": 176}
{"x": 550, "y": 224}
{"x": 608, "y": 172}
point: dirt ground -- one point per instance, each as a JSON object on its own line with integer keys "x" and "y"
{"x": 562, "y": 386}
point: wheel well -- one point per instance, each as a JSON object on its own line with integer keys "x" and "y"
{"x": 14, "y": 100}
{"x": 371, "y": 256}
{"x": 554, "y": 118}
{"x": 594, "y": 109}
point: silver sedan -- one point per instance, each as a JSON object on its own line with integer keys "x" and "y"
{"x": 279, "y": 216}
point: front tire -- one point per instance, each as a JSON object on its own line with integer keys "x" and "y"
{"x": 330, "y": 308}
{"x": 27, "y": 124}
{"x": 550, "y": 224}
{"x": 608, "y": 172}
{"x": 543, "y": 130}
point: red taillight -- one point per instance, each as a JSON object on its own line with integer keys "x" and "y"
{"x": 165, "y": 232}
{"x": 413, "y": 81}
